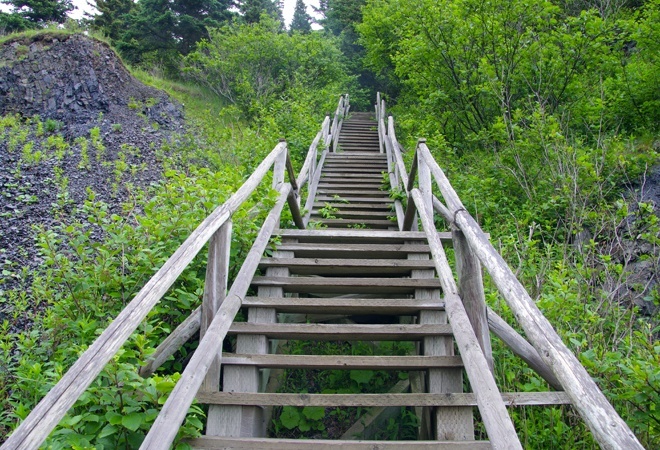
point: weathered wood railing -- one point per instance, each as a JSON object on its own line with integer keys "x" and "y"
{"x": 214, "y": 316}
{"x": 547, "y": 354}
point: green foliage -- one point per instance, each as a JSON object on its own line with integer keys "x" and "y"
{"x": 250, "y": 65}
{"x": 301, "y": 22}
{"x": 41, "y": 11}
{"x": 158, "y": 32}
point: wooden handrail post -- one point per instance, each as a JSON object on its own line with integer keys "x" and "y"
{"x": 215, "y": 289}
{"x": 424, "y": 180}
{"x": 471, "y": 291}
{"x": 280, "y": 166}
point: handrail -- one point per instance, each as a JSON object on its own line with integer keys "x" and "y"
{"x": 602, "y": 419}
{"x": 499, "y": 426}
{"x": 548, "y": 356}
{"x": 36, "y": 427}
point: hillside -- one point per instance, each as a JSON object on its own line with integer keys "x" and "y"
{"x": 75, "y": 119}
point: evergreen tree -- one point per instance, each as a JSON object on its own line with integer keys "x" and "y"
{"x": 301, "y": 21}
{"x": 41, "y": 11}
{"x": 13, "y": 23}
{"x": 111, "y": 17}
{"x": 251, "y": 10}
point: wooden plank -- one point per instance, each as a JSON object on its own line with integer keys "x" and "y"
{"x": 521, "y": 348}
{"x": 607, "y": 426}
{"x": 448, "y": 423}
{"x": 338, "y": 305}
{"x": 496, "y": 420}
{"x": 324, "y": 332}
{"x": 335, "y": 266}
{"x": 215, "y": 288}
{"x": 346, "y": 285}
{"x": 164, "y": 429}
{"x": 447, "y": 400}
{"x": 380, "y": 236}
{"x": 45, "y": 416}
{"x": 359, "y": 223}
{"x": 363, "y": 199}
{"x": 209, "y": 443}
{"x": 342, "y": 362}
{"x": 311, "y": 250}
{"x": 181, "y": 334}
{"x": 471, "y": 291}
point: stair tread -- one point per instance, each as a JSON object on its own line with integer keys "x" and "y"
{"x": 343, "y": 362}
{"x": 336, "y": 266}
{"x": 359, "y": 236}
{"x": 417, "y": 283}
{"x": 213, "y": 442}
{"x": 324, "y": 332}
{"x": 384, "y": 399}
{"x": 347, "y": 306}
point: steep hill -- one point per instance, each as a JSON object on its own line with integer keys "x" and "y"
{"x": 78, "y": 120}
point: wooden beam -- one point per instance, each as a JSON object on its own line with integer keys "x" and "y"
{"x": 521, "y": 348}
{"x": 213, "y": 443}
{"x": 324, "y": 332}
{"x": 471, "y": 291}
{"x": 172, "y": 343}
{"x": 510, "y": 399}
{"x": 342, "y": 362}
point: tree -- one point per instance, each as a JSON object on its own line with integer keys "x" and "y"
{"x": 251, "y": 10}
{"x": 250, "y": 65}
{"x": 12, "y": 23}
{"x": 301, "y": 21}
{"x": 159, "y": 31}
{"x": 41, "y": 11}
{"x": 111, "y": 17}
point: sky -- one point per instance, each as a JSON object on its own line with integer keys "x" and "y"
{"x": 289, "y": 6}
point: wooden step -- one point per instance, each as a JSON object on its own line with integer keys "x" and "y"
{"x": 336, "y": 362}
{"x": 367, "y": 224}
{"x": 355, "y": 155}
{"x": 333, "y": 332}
{"x": 347, "y": 285}
{"x": 355, "y": 206}
{"x": 347, "y": 306}
{"x": 368, "y": 185}
{"x": 354, "y": 170}
{"x": 374, "y": 400}
{"x": 330, "y": 266}
{"x": 352, "y": 176}
{"x": 396, "y": 238}
{"x": 347, "y": 193}
{"x": 214, "y": 443}
{"x": 355, "y": 214}
{"x": 363, "y": 199}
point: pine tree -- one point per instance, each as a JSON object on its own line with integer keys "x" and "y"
{"x": 251, "y": 10}
{"x": 301, "y": 21}
{"x": 111, "y": 18}
{"x": 41, "y": 11}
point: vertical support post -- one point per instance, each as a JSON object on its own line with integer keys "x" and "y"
{"x": 215, "y": 289}
{"x": 280, "y": 166}
{"x": 471, "y": 291}
{"x": 446, "y": 423}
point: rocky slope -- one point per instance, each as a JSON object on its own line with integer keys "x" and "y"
{"x": 97, "y": 127}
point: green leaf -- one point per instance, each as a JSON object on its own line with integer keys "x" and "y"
{"x": 113, "y": 417}
{"x": 132, "y": 421}
{"x": 314, "y": 412}
{"x": 290, "y": 417}
{"x": 107, "y": 431}
{"x": 362, "y": 376}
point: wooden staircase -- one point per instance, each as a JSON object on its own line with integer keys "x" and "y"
{"x": 349, "y": 274}
{"x": 350, "y": 192}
